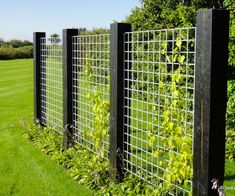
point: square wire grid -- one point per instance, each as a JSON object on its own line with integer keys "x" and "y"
{"x": 91, "y": 75}
{"x": 52, "y": 84}
{"x": 159, "y": 97}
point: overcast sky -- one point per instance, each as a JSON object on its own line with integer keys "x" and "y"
{"x": 20, "y": 18}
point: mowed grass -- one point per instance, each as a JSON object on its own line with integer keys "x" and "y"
{"x": 229, "y": 179}
{"x": 24, "y": 170}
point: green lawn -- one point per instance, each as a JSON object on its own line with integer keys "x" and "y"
{"x": 229, "y": 182}
{"x": 25, "y": 170}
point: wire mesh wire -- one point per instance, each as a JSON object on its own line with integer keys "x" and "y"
{"x": 52, "y": 83}
{"x": 91, "y": 75}
{"x": 159, "y": 97}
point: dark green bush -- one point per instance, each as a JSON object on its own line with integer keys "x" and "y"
{"x": 19, "y": 43}
{"x": 230, "y": 122}
{"x": 7, "y": 53}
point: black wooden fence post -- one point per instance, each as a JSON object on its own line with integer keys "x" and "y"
{"x": 210, "y": 99}
{"x": 37, "y": 75}
{"x": 68, "y": 85}
{"x": 117, "y": 86}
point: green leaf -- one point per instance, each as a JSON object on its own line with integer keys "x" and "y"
{"x": 175, "y": 58}
{"x": 181, "y": 59}
{"x": 169, "y": 59}
{"x": 175, "y": 94}
{"x": 178, "y": 43}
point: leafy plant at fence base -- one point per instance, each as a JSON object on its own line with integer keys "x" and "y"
{"x": 86, "y": 168}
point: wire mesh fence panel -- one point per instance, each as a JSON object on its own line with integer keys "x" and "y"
{"x": 52, "y": 83}
{"x": 159, "y": 77}
{"x": 91, "y": 76}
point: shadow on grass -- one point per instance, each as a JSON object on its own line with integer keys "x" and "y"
{"x": 229, "y": 177}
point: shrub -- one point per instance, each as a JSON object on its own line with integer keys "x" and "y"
{"x": 7, "y": 53}
{"x": 18, "y": 43}
{"x": 230, "y": 122}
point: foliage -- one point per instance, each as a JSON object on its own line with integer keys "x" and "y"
{"x": 2, "y": 42}
{"x": 54, "y": 38}
{"x": 155, "y": 14}
{"x": 102, "y": 114}
{"x": 86, "y": 168}
{"x": 15, "y": 43}
{"x": 101, "y": 106}
{"x": 94, "y": 31}
{"x": 230, "y": 144}
{"x": 230, "y": 122}
{"x": 15, "y": 49}
{"x": 231, "y": 6}
{"x": 9, "y": 52}
{"x": 19, "y": 43}
{"x": 174, "y": 134}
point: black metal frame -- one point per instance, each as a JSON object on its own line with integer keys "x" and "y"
{"x": 68, "y": 86}
{"x": 37, "y": 76}
{"x": 117, "y": 91}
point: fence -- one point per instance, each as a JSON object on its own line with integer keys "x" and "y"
{"x": 91, "y": 92}
{"x": 151, "y": 102}
{"x": 51, "y": 84}
{"x": 159, "y": 77}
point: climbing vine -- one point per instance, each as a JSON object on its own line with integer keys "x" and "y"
{"x": 175, "y": 134}
{"x": 100, "y": 108}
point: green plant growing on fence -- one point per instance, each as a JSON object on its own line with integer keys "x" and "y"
{"x": 101, "y": 109}
{"x": 174, "y": 134}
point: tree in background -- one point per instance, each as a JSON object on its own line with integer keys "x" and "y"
{"x": 155, "y": 14}
{"x": 230, "y": 5}
{"x": 2, "y": 42}
{"x": 158, "y": 14}
{"x": 15, "y": 43}
{"x": 15, "y": 49}
{"x": 95, "y": 31}
{"x": 82, "y": 29}
{"x": 54, "y": 38}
